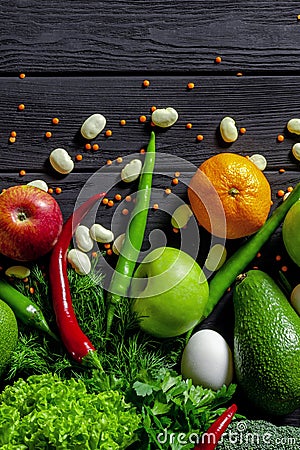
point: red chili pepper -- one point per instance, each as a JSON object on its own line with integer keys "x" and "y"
{"x": 212, "y": 436}
{"x": 75, "y": 341}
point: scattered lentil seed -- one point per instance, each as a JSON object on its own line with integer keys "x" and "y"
{"x": 118, "y": 197}
{"x": 50, "y": 191}
{"x": 22, "y": 76}
{"x": 176, "y": 174}
{"x": 298, "y": 17}
{"x": 25, "y": 280}
{"x": 281, "y": 170}
{"x": 88, "y": 146}
{"x": 55, "y": 120}
{"x": 22, "y": 173}
{"x": 142, "y": 119}
{"x": 284, "y": 268}
{"x": 109, "y": 252}
{"x": 108, "y": 133}
{"x": 31, "y": 290}
{"x": 218, "y": 59}
{"x": 94, "y": 254}
{"x": 239, "y": 74}
{"x": 146, "y": 83}
{"x": 125, "y": 212}
{"x": 106, "y": 245}
{"x": 48, "y": 134}
{"x": 243, "y": 130}
{"x": 21, "y": 107}
{"x": 199, "y": 137}
{"x": 258, "y": 255}
{"x": 175, "y": 181}
{"x": 58, "y": 190}
{"x": 155, "y": 206}
{"x": 280, "y": 138}
{"x": 189, "y": 125}
{"x": 105, "y": 201}
{"x": 12, "y": 139}
{"x": 110, "y": 203}
{"x": 128, "y": 198}
{"x": 122, "y": 122}
{"x": 278, "y": 257}
{"x": 153, "y": 108}
{"x": 142, "y": 151}
{"x": 78, "y": 157}
{"x": 290, "y": 189}
{"x": 168, "y": 191}
{"x": 152, "y": 124}
{"x": 95, "y": 147}
{"x": 109, "y": 162}
{"x": 13, "y": 134}
{"x": 119, "y": 159}
{"x": 175, "y": 230}
{"x": 280, "y": 193}
{"x": 190, "y": 85}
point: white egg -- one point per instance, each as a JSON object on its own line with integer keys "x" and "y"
{"x": 207, "y": 360}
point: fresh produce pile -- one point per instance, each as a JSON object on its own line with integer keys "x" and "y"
{"x": 125, "y": 366}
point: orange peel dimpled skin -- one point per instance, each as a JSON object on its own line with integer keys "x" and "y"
{"x": 242, "y": 189}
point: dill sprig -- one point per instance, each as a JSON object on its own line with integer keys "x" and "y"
{"x": 129, "y": 355}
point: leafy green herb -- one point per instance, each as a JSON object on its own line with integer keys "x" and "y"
{"x": 47, "y": 412}
{"x": 170, "y": 405}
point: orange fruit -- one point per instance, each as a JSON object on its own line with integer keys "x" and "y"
{"x": 230, "y": 196}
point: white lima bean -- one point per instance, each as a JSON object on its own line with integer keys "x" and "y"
{"x": 228, "y": 129}
{"x": 41, "y": 184}
{"x": 181, "y": 216}
{"x": 92, "y": 126}
{"x": 61, "y": 161}
{"x": 293, "y": 126}
{"x": 18, "y": 272}
{"x": 164, "y": 117}
{"x": 296, "y": 151}
{"x": 100, "y": 234}
{"x": 259, "y": 160}
{"x": 216, "y": 257}
{"x": 131, "y": 171}
{"x": 79, "y": 261}
{"x": 118, "y": 244}
{"x": 83, "y": 239}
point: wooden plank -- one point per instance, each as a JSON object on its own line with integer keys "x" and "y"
{"x": 261, "y": 104}
{"x": 157, "y": 36}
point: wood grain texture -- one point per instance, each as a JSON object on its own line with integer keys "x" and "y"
{"x": 261, "y": 104}
{"x": 133, "y": 36}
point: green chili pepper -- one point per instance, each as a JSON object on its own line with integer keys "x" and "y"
{"x": 25, "y": 309}
{"x": 227, "y": 274}
{"x": 134, "y": 236}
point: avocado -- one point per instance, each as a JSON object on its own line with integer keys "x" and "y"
{"x": 266, "y": 344}
{"x": 8, "y": 334}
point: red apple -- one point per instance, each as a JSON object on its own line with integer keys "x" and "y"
{"x": 30, "y": 222}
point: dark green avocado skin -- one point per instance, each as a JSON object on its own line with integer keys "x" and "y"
{"x": 266, "y": 344}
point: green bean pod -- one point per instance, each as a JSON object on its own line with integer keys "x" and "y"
{"x": 24, "y": 309}
{"x": 134, "y": 236}
{"x": 227, "y": 274}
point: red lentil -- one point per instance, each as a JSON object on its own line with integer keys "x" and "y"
{"x": 280, "y": 138}
{"x": 278, "y": 257}
{"x": 280, "y": 193}
{"x": 78, "y": 157}
{"x": 58, "y": 190}
{"x": 175, "y": 181}
{"x": 106, "y": 245}
{"x": 13, "y": 134}
{"x": 155, "y": 206}
{"x": 176, "y": 174}
{"x": 119, "y": 159}
{"x": 12, "y": 139}
{"x": 105, "y": 201}
{"x": 284, "y": 268}
{"x": 109, "y": 162}
{"x": 50, "y": 191}
{"x": 88, "y": 146}
{"x": 31, "y": 290}
{"x": 118, "y": 197}
{"x": 175, "y": 230}
{"x": 128, "y": 198}
{"x": 153, "y": 108}
{"x": 168, "y": 191}
{"x": 281, "y": 170}
{"x": 146, "y": 83}
{"x": 218, "y": 59}
{"x": 22, "y": 76}
{"x": 142, "y": 151}
{"x": 108, "y": 133}
{"x": 21, "y": 107}
{"x": 125, "y": 212}
{"x": 239, "y": 74}
{"x": 189, "y": 125}
{"x": 55, "y": 121}
{"x": 199, "y": 137}
{"x": 243, "y": 130}
{"x": 290, "y": 188}
{"x": 190, "y": 85}
{"x": 95, "y": 147}
{"x": 122, "y": 122}
{"x": 22, "y": 172}
{"x": 110, "y": 203}
{"x": 48, "y": 134}
{"x": 142, "y": 119}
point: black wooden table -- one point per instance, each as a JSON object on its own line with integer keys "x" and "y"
{"x": 85, "y": 57}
